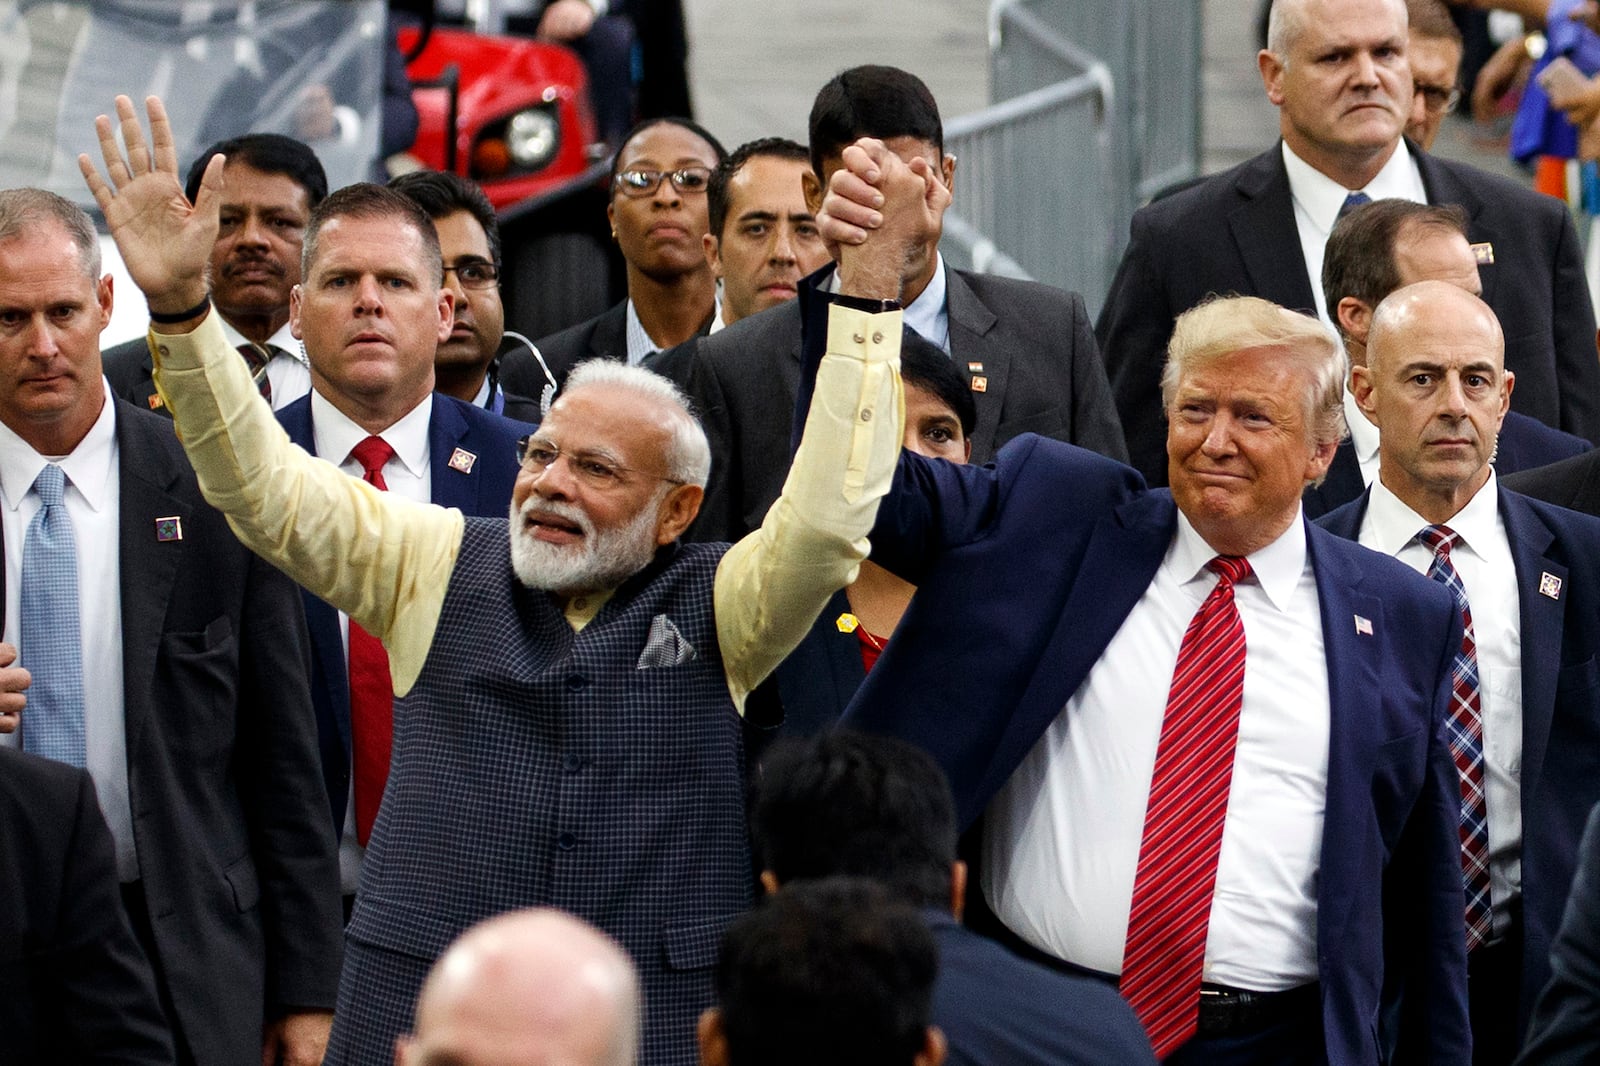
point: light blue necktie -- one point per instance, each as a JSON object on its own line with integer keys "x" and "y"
{"x": 1353, "y": 201}
{"x": 53, "y": 721}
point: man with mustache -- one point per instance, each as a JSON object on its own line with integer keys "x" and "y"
{"x": 571, "y": 734}
{"x": 369, "y": 314}
{"x": 1525, "y": 576}
{"x": 273, "y": 183}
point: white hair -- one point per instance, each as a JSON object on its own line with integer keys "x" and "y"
{"x": 689, "y": 453}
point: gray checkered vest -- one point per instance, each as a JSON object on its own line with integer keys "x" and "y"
{"x": 537, "y": 766}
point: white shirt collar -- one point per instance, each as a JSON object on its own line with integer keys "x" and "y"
{"x": 927, "y": 315}
{"x": 640, "y": 344}
{"x": 1363, "y": 434}
{"x": 1320, "y": 197}
{"x": 336, "y": 435}
{"x": 1392, "y": 524}
{"x": 1277, "y": 566}
{"x": 284, "y": 340}
{"x": 88, "y": 467}
{"x": 717, "y": 324}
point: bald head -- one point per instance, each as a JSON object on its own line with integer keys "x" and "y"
{"x": 530, "y": 988}
{"x": 1436, "y": 386}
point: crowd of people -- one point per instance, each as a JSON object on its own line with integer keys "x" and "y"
{"x": 825, "y": 654}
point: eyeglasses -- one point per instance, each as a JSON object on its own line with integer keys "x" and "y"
{"x": 1438, "y": 99}
{"x": 474, "y": 273}
{"x": 646, "y": 182}
{"x": 592, "y": 468}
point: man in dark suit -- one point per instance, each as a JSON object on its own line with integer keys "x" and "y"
{"x": 659, "y": 220}
{"x": 200, "y": 734}
{"x": 1026, "y": 349}
{"x": 78, "y": 988}
{"x": 1206, "y": 737}
{"x": 273, "y": 183}
{"x": 863, "y": 806}
{"x": 1565, "y": 1030}
{"x": 1572, "y": 483}
{"x": 1260, "y": 228}
{"x": 1372, "y": 251}
{"x": 467, "y": 364}
{"x": 372, "y": 354}
{"x": 1529, "y": 580}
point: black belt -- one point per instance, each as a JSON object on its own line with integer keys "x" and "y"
{"x": 1228, "y": 1011}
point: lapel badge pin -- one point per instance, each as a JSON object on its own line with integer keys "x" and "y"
{"x": 1363, "y": 626}
{"x": 155, "y": 401}
{"x": 169, "y": 529}
{"x": 1483, "y": 253}
{"x": 980, "y": 384}
{"x": 1550, "y": 585}
{"x": 461, "y": 461}
{"x": 974, "y": 368}
{"x": 847, "y": 623}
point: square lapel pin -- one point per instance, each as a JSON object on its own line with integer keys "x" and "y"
{"x": 1550, "y": 585}
{"x": 461, "y": 461}
{"x": 169, "y": 529}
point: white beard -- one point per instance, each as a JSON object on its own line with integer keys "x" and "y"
{"x": 599, "y": 561}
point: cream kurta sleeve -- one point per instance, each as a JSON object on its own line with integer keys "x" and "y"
{"x": 773, "y": 583}
{"x": 383, "y": 560}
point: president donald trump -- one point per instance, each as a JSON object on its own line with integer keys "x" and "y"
{"x": 1205, "y": 737}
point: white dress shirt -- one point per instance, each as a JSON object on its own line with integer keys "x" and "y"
{"x": 288, "y": 371}
{"x": 1363, "y": 438}
{"x": 406, "y": 474}
{"x": 1062, "y": 837}
{"x": 640, "y": 344}
{"x": 94, "y": 503}
{"x": 1488, "y": 572}
{"x": 1317, "y": 199}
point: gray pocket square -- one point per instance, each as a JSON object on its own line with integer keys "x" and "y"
{"x": 665, "y": 645}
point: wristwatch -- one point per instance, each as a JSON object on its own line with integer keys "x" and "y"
{"x": 862, "y": 303}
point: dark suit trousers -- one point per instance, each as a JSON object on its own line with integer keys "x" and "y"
{"x": 133, "y": 902}
{"x": 1494, "y": 988}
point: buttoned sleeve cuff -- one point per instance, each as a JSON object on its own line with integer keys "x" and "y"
{"x": 771, "y": 585}
{"x": 383, "y": 560}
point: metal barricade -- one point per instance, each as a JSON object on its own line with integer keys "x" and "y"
{"x": 1097, "y": 110}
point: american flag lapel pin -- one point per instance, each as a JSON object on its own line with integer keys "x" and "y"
{"x": 461, "y": 461}
{"x": 169, "y": 529}
{"x": 1363, "y": 626}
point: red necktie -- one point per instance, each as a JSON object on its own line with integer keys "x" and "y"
{"x": 371, "y": 690}
{"x": 1171, "y": 911}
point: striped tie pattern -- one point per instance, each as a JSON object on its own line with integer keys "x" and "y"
{"x": 51, "y": 638}
{"x": 1465, "y": 727}
{"x": 1177, "y": 872}
{"x": 256, "y": 357}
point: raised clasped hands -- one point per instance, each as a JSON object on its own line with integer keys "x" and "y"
{"x": 165, "y": 241}
{"x": 881, "y": 214}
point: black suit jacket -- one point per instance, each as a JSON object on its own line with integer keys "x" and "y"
{"x": 1566, "y": 1019}
{"x": 128, "y": 367}
{"x": 1557, "y": 558}
{"x": 1000, "y": 1010}
{"x": 603, "y": 337}
{"x": 78, "y": 988}
{"x": 1026, "y": 348}
{"x": 1235, "y": 233}
{"x": 229, "y": 811}
{"x": 1572, "y": 483}
{"x": 1525, "y": 443}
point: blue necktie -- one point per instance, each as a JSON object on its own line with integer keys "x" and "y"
{"x": 53, "y": 721}
{"x": 1353, "y": 201}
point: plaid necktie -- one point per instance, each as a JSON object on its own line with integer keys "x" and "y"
{"x": 1466, "y": 739}
{"x": 51, "y": 638}
{"x": 1165, "y": 951}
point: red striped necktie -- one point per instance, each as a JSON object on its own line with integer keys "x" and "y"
{"x": 1172, "y": 888}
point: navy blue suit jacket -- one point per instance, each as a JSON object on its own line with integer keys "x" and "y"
{"x": 1557, "y": 558}
{"x": 1525, "y": 444}
{"x": 482, "y": 492}
{"x": 1566, "y": 1020}
{"x": 1000, "y": 1010}
{"x": 1027, "y": 568}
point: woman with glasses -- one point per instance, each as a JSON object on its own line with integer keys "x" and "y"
{"x": 659, "y": 220}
